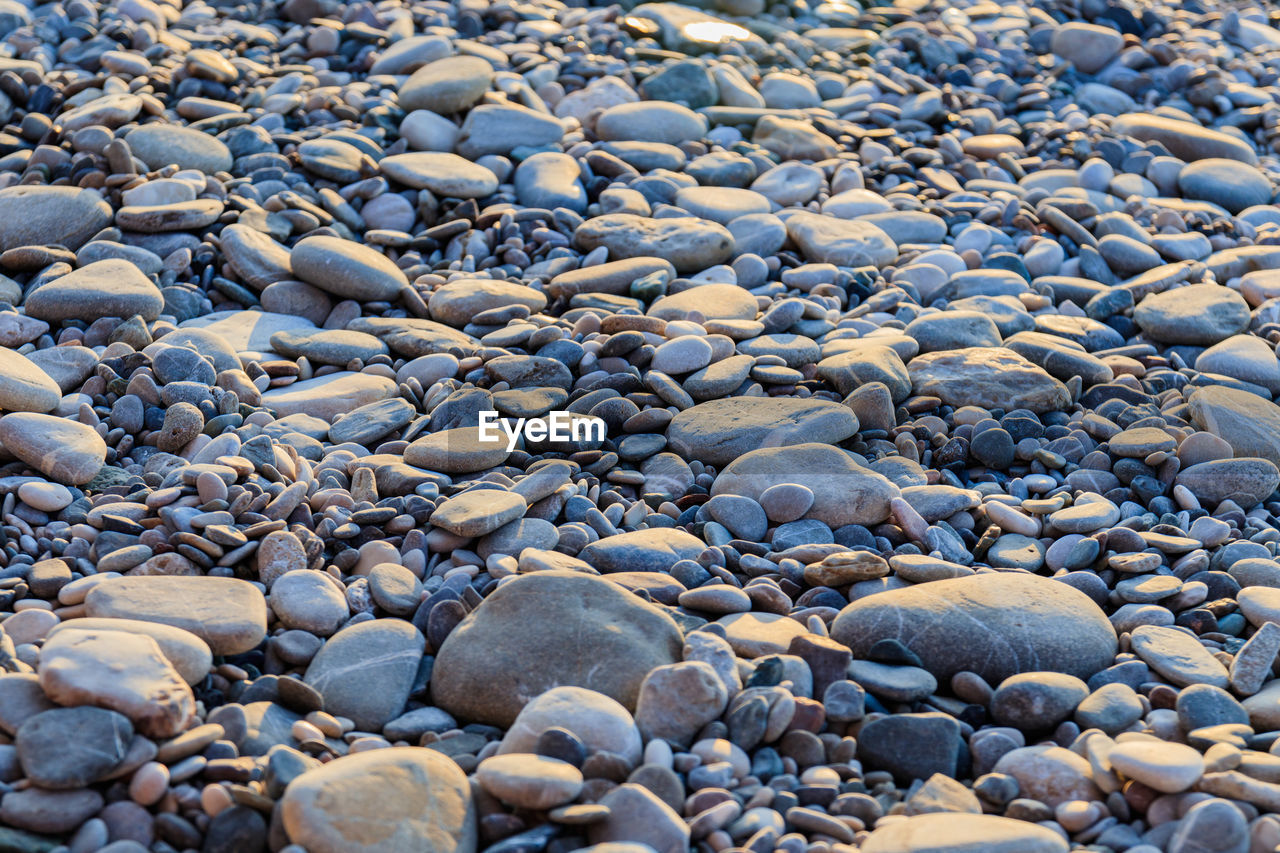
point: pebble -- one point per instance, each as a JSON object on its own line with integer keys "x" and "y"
{"x": 1226, "y": 183}
{"x": 24, "y": 387}
{"x": 976, "y": 607}
{"x": 69, "y": 748}
{"x": 985, "y": 377}
{"x": 124, "y": 673}
{"x": 1199, "y": 314}
{"x": 159, "y": 145}
{"x": 228, "y": 614}
{"x": 446, "y": 85}
{"x": 308, "y": 601}
{"x": 366, "y": 671}
{"x": 351, "y": 271}
{"x": 423, "y": 795}
{"x": 1177, "y": 656}
{"x": 1034, "y": 701}
{"x": 631, "y": 635}
{"x": 723, "y": 431}
{"x": 67, "y": 216}
{"x": 1167, "y": 767}
{"x": 689, "y": 243}
{"x": 845, "y": 493}
{"x": 107, "y": 288}
{"x": 926, "y": 834}
{"x": 529, "y": 781}
{"x": 69, "y": 453}
{"x": 188, "y": 654}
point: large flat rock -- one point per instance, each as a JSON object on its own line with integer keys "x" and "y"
{"x": 994, "y": 624}
{"x": 228, "y": 614}
{"x": 719, "y": 431}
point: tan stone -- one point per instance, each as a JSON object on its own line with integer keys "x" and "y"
{"x": 400, "y": 800}
{"x": 123, "y": 672}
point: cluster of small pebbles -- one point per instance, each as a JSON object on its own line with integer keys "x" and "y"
{"x": 934, "y": 347}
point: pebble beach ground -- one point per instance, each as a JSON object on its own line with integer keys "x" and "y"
{"x": 932, "y": 347}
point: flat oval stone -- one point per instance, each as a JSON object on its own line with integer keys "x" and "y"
{"x": 949, "y": 832}
{"x": 445, "y": 174}
{"x": 123, "y": 672}
{"x": 478, "y": 511}
{"x": 651, "y": 121}
{"x": 529, "y": 781}
{"x": 689, "y": 243}
{"x": 1088, "y": 46}
{"x": 682, "y": 355}
{"x": 486, "y": 672}
{"x": 446, "y": 85}
{"x": 1243, "y": 357}
{"x": 654, "y": 549}
{"x": 712, "y": 301}
{"x": 69, "y": 748}
{"x": 372, "y": 421}
{"x": 110, "y": 288}
{"x": 986, "y": 377}
{"x": 1177, "y": 656}
{"x": 845, "y": 492}
{"x": 1199, "y": 314}
{"x": 988, "y": 146}
{"x": 38, "y": 810}
{"x": 332, "y": 346}
{"x": 254, "y": 256}
{"x": 408, "y": 54}
{"x": 421, "y": 796}
{"x": 461, "y": 299}
{"x": 501, "y": 128}
{"x": 228, "y": 614}
{"x": 549, "y": 180}
{"x": 1043, "y": 625}
{"x": 179, "y": 216}
{"x": 1036, "y": 701}
{"x": 1227, "y": 183}
{"x": 720, "y": 431}
{"x": 716, "y": 598}
{"x": 721, "y": 204}
{"x": 99, "y": 250}
{"x": 326, "y": 397}
{"x": 189, "y": 654}
{"x": 895, "y": 683}
{"x": 1185, "y": 139}
{"x": 346, "y": 268}
{"x": 1158, "y": 764}
{"x": 830, "y": 240}
{"x": 42, "y": 215}
{"x": 1247, "y": 481}
{"x": 308, "y": 601}
{"x": 66, "y": 451}
{"x": 24, "y": 387}
{"x": 1141, "y": 442}
{"x": 107, "y": 111}
{"x": 159, "y": 145}
{"x": 456, "y": 451}
{"x": 1086, "y": 517}
{"x": 1249, "y": 424}
{"x": 754, "y": 635}
{"x": 332, "y": 159}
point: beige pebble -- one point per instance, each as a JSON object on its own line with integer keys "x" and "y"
{"x": 215, "y": 799}
{"x": 149, "y": 783}
{"x": 304, "y": 731}
{"x": 327, "y": 724}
